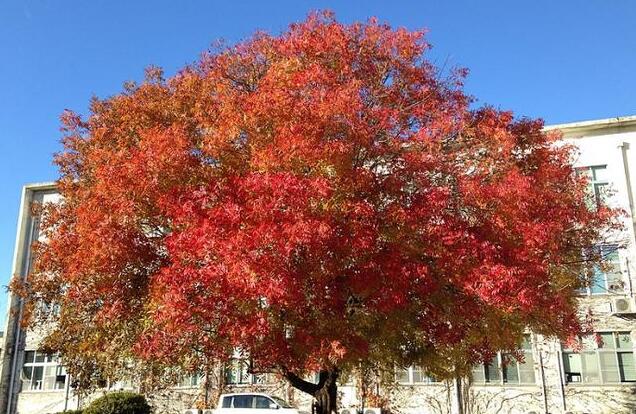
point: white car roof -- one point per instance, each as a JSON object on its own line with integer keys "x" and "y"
{"x": 245, "y": 393}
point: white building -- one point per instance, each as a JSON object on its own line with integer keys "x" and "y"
{"x": 553, "y": 379}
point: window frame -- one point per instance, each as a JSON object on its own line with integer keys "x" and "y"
{"x": 194, "y": 381}
{"x": 502, "y": 379}
{"x": 49, "y": 361}
{"x": 597, "y": 351}
{"x": 605, "y": 251}
{"x": 595, "y": 197}
{"x": 411, "y": 375}
{"x": 234, "y": 365}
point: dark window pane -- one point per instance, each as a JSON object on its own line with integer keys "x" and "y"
{"x": 27, "y": 373}
{"x": 262, "y": 402}
{"x": 36, "y": 382}
{"x": 243, "y": 401}
{"x": 29, "y": 356}
{"x": 511, "y": 374}
{"x": 492, "y": 371}
{"x": 60, "y": 382}
{"x": 227, "y": 402}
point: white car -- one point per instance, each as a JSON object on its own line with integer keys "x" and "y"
{"x": 253, "y": 403}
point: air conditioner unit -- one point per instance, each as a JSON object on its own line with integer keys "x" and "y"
{"x": 207, "y": 411}
{"x": 372, "y": 410}
{"x": 192, "y": 411}
{"x": 623, "y": 306}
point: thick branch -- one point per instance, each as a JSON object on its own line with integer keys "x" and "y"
{"x": 299, "y": 383}
{"x": 325, "y": 381}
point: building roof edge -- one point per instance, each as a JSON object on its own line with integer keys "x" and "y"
{"x": 582, "y": 128}
{"x": 41, "y": 186}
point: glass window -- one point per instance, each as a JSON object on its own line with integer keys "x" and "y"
{"x": 237, "y": 373}
{"x": 478, "y": 374}
{"x": 624, "y": 340}
{"x": 626, "y": 366}
{"x": 42, "y": 372}
{"x": 572, "y": 366}
{"x": 598, "y": 185}
{"x": 402, "y": 375}
{"x": 526, "y": 368}
{"x": 413, "y": 375}
{"x": 29, "y": 357}
{"x": 504, "y": 368}
{"x": 609, "y": 367}
{"x": 610, "y": 361}
{"x": 491, "y": 370}
{"x": 609, "y": 279}
{"x": 281, "y": 402}
{"x": 190, "y": 380}
{"x": 589, "y": 367}
{"x": 36, "y": 381}
{"x": 263, "y": 378}
{"x": 511, "y": 372}
{"x": 243, "y": 401}
{"x": 262, "y": 402}
{"x": 418, "y": 376}
{"x": 607, "y": 340}
{"x": 227, "y": 402}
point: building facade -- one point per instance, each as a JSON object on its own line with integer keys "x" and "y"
{"x": 600, "y": 378}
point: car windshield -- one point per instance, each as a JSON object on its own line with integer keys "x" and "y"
{"x": 281, "y": 402}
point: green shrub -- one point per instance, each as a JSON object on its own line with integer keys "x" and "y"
{"x": 72, "y": 412}
{"x": 119, "y": 403}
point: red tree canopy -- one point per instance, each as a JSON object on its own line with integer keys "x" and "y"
{"x": 315, "y": 198}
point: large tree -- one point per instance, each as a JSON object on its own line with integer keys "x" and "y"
{"x": 316, "y": 199}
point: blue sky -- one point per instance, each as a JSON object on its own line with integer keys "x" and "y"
{"x": 562, "y": 60}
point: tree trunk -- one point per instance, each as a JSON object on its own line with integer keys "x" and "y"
{"x": 325, "y": 392}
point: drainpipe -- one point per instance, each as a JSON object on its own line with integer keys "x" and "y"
{"x": 624, "y": 146}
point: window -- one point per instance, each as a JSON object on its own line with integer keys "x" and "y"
{"x": 190, "y": 380}
{"x": 608, "y": 280}
{"x": 253, "y": 401}
{"x": 262, "y": 402}
{"x": 42, "y": 372}
{"x": 598, "y": 184}
{"x": 227, "y": 402}
{"x": 282, "y": 403}
{"x": 243, "y": 401}
{"x": 609, "y": 361}
{"x": 237, "y": 373}
{"x": 413, "y": 375}
{"x": 505, "y": 369}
